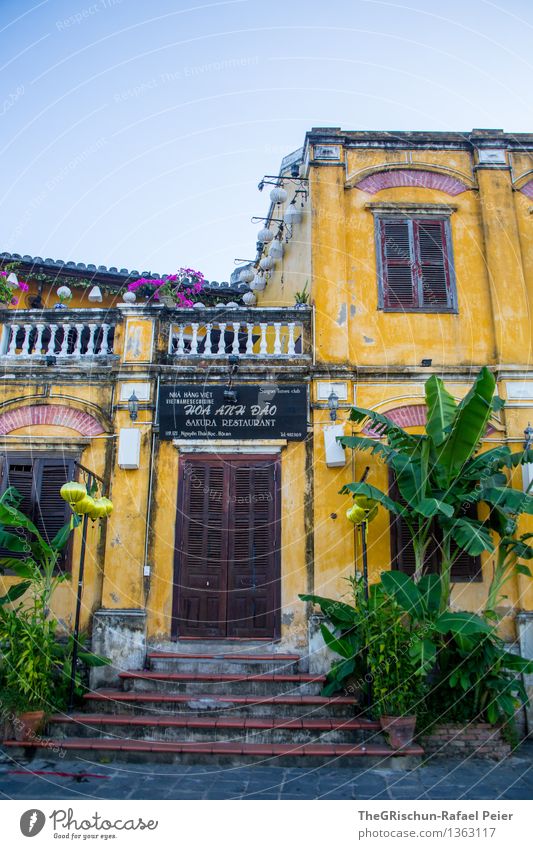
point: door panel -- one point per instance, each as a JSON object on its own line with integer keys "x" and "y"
{"x": 227, "y": 549}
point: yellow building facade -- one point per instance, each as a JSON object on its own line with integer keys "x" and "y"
{"x": 416, "y": 251}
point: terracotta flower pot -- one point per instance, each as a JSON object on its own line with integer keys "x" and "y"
{"x": 399, "y": 730}
{"x": 28, "y": 725}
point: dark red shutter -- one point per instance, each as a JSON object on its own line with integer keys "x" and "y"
{"x": 399, "y": 283}
{"x": 465, "y": 568}
{"x": 202, "y": 549}
{"x": 50, "y": 512}
{"x": 252, "y": 550}
{"x": 430, "y": 241}
{"x": 39, "y": 480}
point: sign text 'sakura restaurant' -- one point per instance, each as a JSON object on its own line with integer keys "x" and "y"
{"x": 203, "y": 411}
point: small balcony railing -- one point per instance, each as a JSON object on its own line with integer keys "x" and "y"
{"x": 269, "y": 333}
{"x": 65, "y": 334}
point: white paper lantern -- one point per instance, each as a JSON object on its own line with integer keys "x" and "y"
{"x": 258, "y": 283}
{"x": 267, "y": 263}
{"x": 249, "y": 299}
{"x": 232, "y": 304}
{"x": 265, "y": 235}
{"x": 275, "y": 250}
{"x": 246, "y": 275}
{"x": 64, "y": 293}
{"x": 293, "y": 214}
{"x": 198, "y": 306}
{"x": 95, "y": 295}
{"x": 278, "y": 195}
{"x": 13, "y": 280}
{"x": 129, "y": 297}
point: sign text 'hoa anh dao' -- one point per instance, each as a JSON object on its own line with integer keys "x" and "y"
{"x": 261, "y": 411}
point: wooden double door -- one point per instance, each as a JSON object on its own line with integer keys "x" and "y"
{"x": 226, "y": 570}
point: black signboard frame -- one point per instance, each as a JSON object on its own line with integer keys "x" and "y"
{"x": 199, "y": 411}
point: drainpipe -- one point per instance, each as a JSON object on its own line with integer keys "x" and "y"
{"x": 146, "y": 567}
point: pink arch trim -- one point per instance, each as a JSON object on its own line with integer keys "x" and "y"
{"x": 50, "y": 414}
{"x": 527, "y": 189}
{"x": 417, "y": 177}
{"x": 411, "y": 415}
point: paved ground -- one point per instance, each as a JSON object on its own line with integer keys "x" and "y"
{"x": 442, "y": 778}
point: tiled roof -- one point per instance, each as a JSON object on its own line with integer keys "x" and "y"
{"x": 110, "y": 275}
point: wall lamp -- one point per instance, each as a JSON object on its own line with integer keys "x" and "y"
{"x": 230, "y": 394}
{"x": 133, "y": 406}
{"x": 333, "y": 404}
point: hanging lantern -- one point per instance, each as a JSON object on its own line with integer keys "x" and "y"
{"x": 198, "y": 306}
{"x": 95, "y": 295}
{"x": 108, "y": 505}
{"x": 293, "y": 215}
{"x": 246, "y": 275}
{"x": 267, "y": 263}
{"x": 99, "y": 509}
{"x": 265, "y": 235}
{"x": 13, "y": 280}
{"x": 85, "y": 505}
{"x": 64, "y": 293}
{"x": 278, "y": 195}
{"x": 275, "y": 250}
{"x": 231, "y": 304}
{"x": 363, "y": 510}
{"x": 258, "y": 283}
{"x": 72, "y": 492}
{"x": 249, "y": 299}
{"x": 129, "y": 297}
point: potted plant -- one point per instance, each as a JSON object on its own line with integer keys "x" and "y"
{"x": 301, "y": 299}
{"x": 175, "y": 290}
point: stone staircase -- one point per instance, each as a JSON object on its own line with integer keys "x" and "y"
{"x": 221, "y": 708}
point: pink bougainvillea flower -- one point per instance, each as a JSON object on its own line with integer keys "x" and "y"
{"x": 14, "y": 301}
{"x": 23, "y": 286}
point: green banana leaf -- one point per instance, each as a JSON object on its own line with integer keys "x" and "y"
{"x": 469, "y": 424}
{"x": 358, "y": 488}
{"x": 441, "y": 410}
{"x": 405, "y": 591}
{"x": 470, "y": 535}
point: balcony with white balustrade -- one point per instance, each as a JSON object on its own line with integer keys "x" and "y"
{"x": 65, "y": 335}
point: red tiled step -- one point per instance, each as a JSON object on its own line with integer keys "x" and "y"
{"x": 121, "y": 696}
{"x": 333, "y": 750}
{"x": 193, "y": 676}
{"x": 320, "y": 724}
{"x": 170, "y": 655}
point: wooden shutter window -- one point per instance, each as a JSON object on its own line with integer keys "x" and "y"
{"x": 398, "y": 278}
{"x": 38, "y": 480}
{"x": 430, "y": 239}
{"x": 465, "y": 568}
{"x": 415, "y": 272}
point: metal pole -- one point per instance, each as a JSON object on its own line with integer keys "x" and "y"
{"x": 364, "y": 528}
{"x": 75, "y": 646}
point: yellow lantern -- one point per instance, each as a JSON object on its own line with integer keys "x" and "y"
{"x": 99, "y": 510}
{"x": 72, "y": 492}
{"x": 108, "y": 505}
{"x": 86, "y": 505}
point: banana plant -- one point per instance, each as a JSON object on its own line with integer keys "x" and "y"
{"x": 440, "y": 472}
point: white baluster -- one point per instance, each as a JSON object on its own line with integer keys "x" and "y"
{"x": 194, "y": 338}
{"x": 104, "y": 348}
{"x": 263, "y": 344}
{"x": 221, "y": 342}
{"x": 277, "y": 340}
{"x": 235, "y": 346}
{"x": 12, "y": 350}
{"x": 37, "y": 350}
{"x": 64, "y": 345}
{"x": 76, "y": 351}
{"x": 208, "y": 351}
{"x": 180, "y": 350}
{"x": 90, "y": 341}
{"x": 249, "y": 338}
{"x": 25, "y": 351}
{"x": 290, "y": 343}
{"x": 51, "y": 349}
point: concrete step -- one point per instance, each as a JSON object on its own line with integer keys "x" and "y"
{"x": 200, "y": 704}
{"x": 255, "y": 684}
{"x": 185, "y": 728}
{"x": 221, "y": 754}
{"x": 223, "y": 663}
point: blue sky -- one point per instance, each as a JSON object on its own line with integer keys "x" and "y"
{"x": 134, "y": 134}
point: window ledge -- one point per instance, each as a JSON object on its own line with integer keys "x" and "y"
{"x": 405, "y": 208}
{"x": 422, "y": 310}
